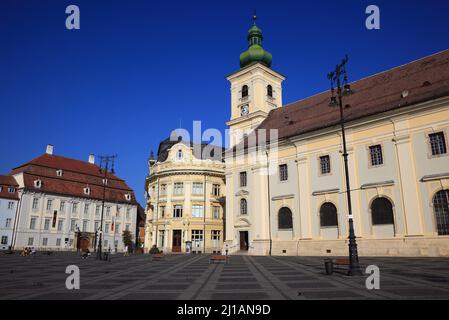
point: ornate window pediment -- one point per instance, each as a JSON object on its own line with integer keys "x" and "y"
{"x": 242, "y": 223}
{"x": 241, "y": 193}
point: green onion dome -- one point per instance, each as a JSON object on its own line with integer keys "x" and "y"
{"x": 255, "y": 52}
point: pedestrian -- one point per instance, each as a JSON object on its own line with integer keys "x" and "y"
{"x": 126, "y": 252}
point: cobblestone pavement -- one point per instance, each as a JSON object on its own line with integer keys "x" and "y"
{"x": 193, "y": 278}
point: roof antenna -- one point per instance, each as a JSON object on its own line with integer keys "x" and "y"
{"x": 254, "y": 17}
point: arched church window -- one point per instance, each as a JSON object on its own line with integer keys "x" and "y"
{"x": 441, "y": 208}
{"x": 328, "y": 215}
{"x": 269, "y": 91}
{"x": 285, "y": 220}
{"x": 244, "y": 91}
{"x": 243, "y": 206}
{"x": 382, "y": 211}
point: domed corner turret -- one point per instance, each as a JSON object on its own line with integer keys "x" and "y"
{"x": 255, "y": 53}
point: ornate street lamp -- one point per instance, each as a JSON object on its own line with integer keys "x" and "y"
{"x": 339, "y": 78}
{"x": 104, "y": 167}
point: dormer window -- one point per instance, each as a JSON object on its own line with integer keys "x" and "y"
{"x": 179, "y": 155}
{"x": 270, "y": 91}
{"x": 105, "y": 182}
{"x": 128, "y": 197}
{"x": 87, "y": 191}
{"x": 37, "y": 183}
{"x": 11, "y": 190}
{"x": 59, "y": 173}
{"x": 244, "y": 91}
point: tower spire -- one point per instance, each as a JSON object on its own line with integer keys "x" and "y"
{"x": 255, "y": 53}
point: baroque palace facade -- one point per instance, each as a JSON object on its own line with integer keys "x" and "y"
{"x": 185, "y": 205}
{"x": 397, "y": 127}
{"x": 59, "y": 202}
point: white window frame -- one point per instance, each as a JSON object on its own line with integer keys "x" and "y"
{"x": 86, "y": 209}
{"x": 197, "y": 211}
{"x": 47, "y": 224}
{"x": 49, "y": 204}
{"x": 197, "y": 188}
{"x": 35, "y": 203}
{"x": 177, "y": 211}
{"x": 33, "y": 221}
{"x": 85, "y": 225}
{"x": 62, "y": 206}
{"x": 216, "y": 212}
{"x": 60, "y": 226}
{"x": 178, "y": 188}
{"x": 216, "y": 190}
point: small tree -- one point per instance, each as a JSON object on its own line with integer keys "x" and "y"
{"x": 127, "y": 238}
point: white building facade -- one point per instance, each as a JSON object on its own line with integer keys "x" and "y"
{"x": 9, "y": 199}
{"x": 60, "y": 206}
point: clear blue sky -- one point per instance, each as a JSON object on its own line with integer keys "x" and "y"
{"x": 136, "y": 68}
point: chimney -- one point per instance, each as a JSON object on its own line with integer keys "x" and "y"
{"x": 49, "y": 149}
{"x": 91, "y": 159}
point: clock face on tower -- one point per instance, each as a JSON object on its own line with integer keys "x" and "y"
{"x": 244, "y": 110}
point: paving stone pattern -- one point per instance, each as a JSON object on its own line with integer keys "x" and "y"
{"x": 191, "y": 277}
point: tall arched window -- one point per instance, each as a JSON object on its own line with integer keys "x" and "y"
{"x": 244, "y": 91}
{"x": 285, "y": 219}
{"x": 382, "y": 211}
{"x": 269, "y": 91}
{"x": 243, "y": 206}
{"x": 328, "y": 215}
{"x": 441, "y": 208}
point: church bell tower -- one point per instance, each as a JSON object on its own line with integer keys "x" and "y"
{"x": 256, "y": 89}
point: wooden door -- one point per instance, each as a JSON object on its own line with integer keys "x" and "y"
{"x": 84, "y": 244}
{"x": 244, "y": 240}
{"x": 176, "y": 245}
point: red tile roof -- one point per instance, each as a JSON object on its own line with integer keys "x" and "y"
{"x": 7, "y": 182}
{"x": 422, "y": 80}
{"x": 76, "y": 175}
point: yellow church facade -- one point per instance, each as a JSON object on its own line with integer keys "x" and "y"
{"x": 397, "y": 127}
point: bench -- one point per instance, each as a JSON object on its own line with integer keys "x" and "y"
{"x": 158, "y": 256}
{"x": 218, "y": 259}
{"x": 341, "y": 262}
